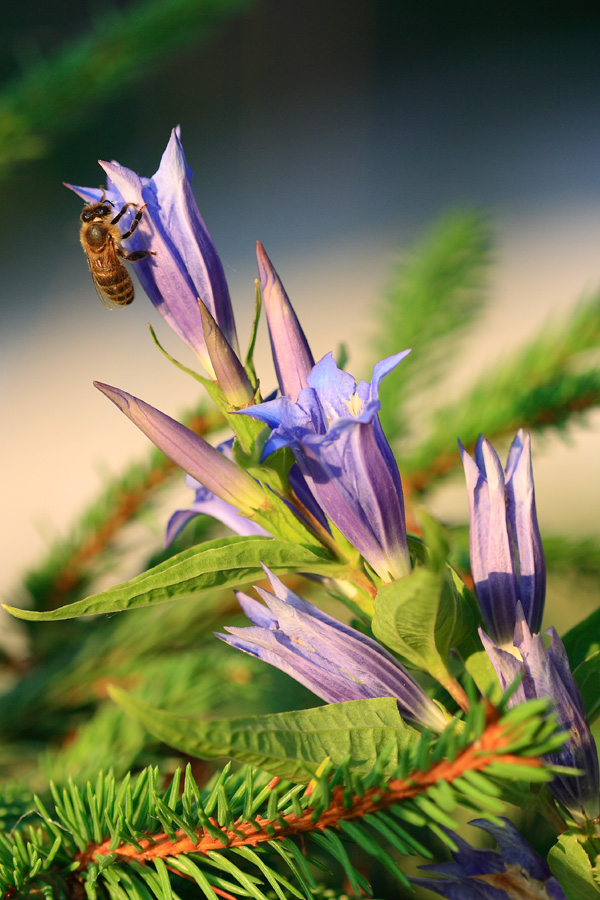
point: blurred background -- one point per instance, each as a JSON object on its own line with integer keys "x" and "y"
{"x": 336, "y": 133}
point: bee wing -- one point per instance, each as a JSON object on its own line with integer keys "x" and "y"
{"x": 108, "y": 260}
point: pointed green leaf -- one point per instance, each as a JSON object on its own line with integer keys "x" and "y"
{"x": 482, "y": 672}
{"x": 456, "y": 619}
{"x": 227, "y": 562}
{"x": 211, "y": 386}
{"x": 290, "y": 744}
{"x": 421, "y": 617}
{"x": 571, "y": 865}
{"x": 405, "y": 616}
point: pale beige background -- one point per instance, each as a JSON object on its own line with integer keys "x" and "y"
{"x": 333, "y": 132}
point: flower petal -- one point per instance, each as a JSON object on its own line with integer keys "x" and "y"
{"x": 335, "y": 661}
{"x": 291, "y": 354}
{"x": 190, "y": 452}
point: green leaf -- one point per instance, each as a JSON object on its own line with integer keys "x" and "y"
{"x": 435, "y": 539}
{"x": 290, "y": 744}
{"x": 482, "y": 672}
{"x": 421, "y": 617}
{"x": 583, "y": 640}
{"x": 405, "y": 616}
{"x": 226, "y": 562}
{"x": 457, "y": 615}
{"x": 587, "y": 676}
{"x": 571, "y": 865}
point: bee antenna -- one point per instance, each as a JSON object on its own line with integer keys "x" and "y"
{"x": 103, "y": 197}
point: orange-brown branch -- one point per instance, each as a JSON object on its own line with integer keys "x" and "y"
{"x": 419, "y": 480}
{"x": 475, "y": 758}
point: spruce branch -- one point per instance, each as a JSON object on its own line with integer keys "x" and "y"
{"x": 434, "y": 295}
{"x": 544, "y": 385}
{"x": 54, "y": 95}
{"x": 333, "y": 805}
{"x": 132, "y": 834}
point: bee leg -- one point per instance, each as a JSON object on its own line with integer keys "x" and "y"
{"x": 136, "y": 220}
{"x": 120, "y": 213}
{"x": 136, "y": 255}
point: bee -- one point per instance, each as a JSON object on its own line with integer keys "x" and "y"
{"x": 101, "y": 241}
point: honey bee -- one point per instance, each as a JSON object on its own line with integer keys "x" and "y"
{"x": 101, "y": 241}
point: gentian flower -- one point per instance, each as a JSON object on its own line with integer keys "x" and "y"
{"x": 291, "y": 354}
{"x": 546, "y": 673}
{"x": 207, "y": 504}
{"x": 334, "y": 661}
{"x": 513, "y": 871}
{"x": 191, "y": 453}
{"x": 507, "y": 558}
{"x": 335, "y": 435}
{"x": 186, "y": 265}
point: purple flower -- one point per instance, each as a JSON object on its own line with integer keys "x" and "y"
{"x": 291, "y": 354}
{"x": 190, "y": 452}
{"x": 507, "y": 558}
{"x": 513, "y": 871}
{"x": 207, "y": 504}
{"x": 334, "y": 661}
{"x": 186, "y": 265}
{"x": 335, "y": 435}
{"x": 546, "y": 673}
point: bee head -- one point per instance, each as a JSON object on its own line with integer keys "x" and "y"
{"x": 93, "y": 211}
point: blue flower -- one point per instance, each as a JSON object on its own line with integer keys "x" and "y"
{"x": 507, "y": 558}
{"x": 186, "y": 265}
{"x": 335, "y": 435}
{"x": 334, "y": 661}
{"x": 546, "y": 673}
{"x": 513, "y": 871}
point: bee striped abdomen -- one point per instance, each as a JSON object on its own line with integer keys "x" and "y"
{"x": 113, "y": 280}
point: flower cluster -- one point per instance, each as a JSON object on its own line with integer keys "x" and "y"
{"x": 313, "y": 466}
{"x": 330, "y": 423}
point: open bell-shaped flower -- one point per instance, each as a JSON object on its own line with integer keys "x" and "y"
{"x": 334, "y": 432}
